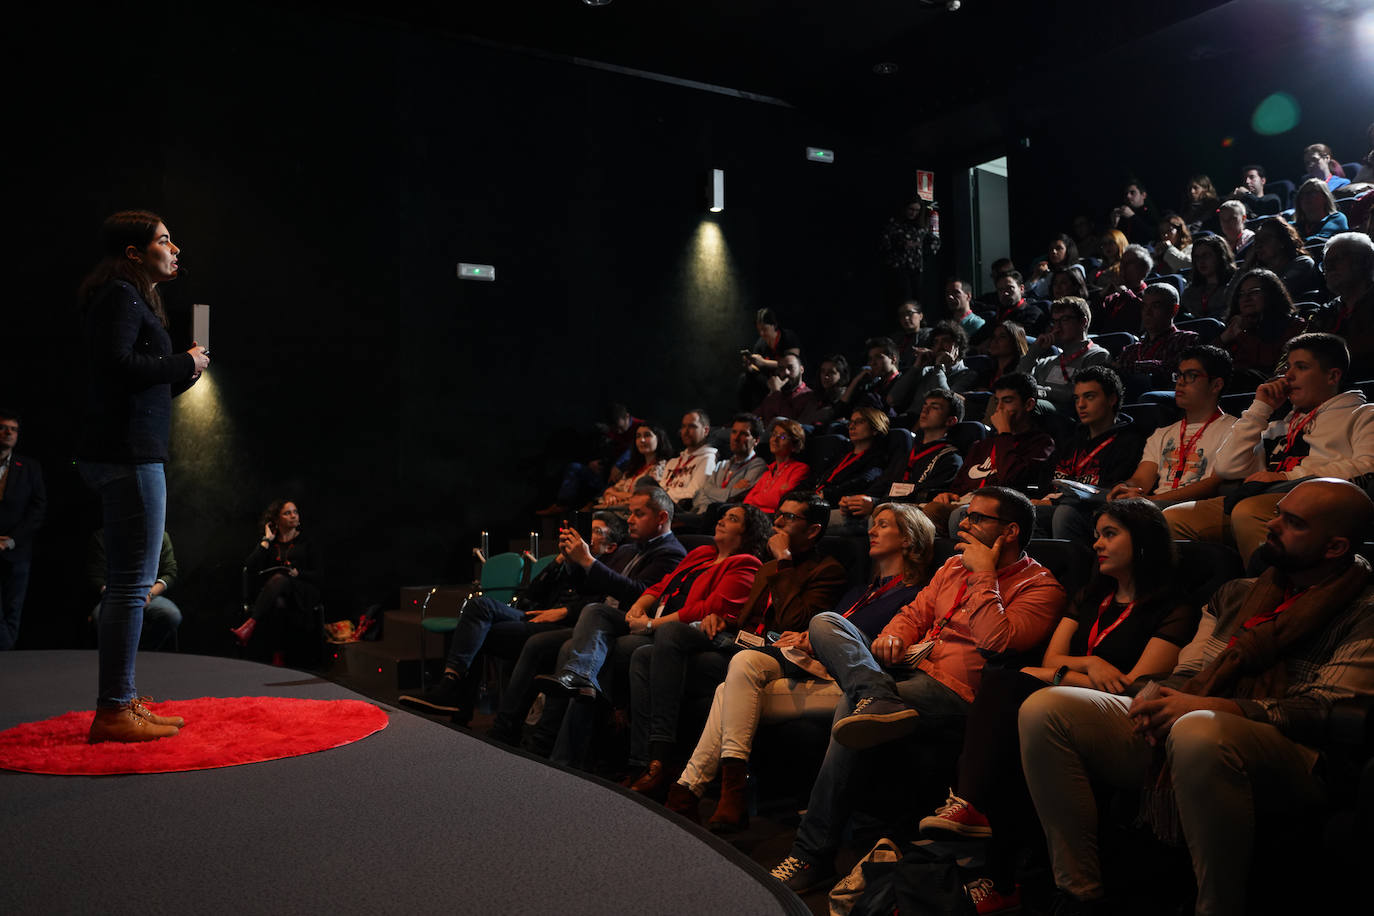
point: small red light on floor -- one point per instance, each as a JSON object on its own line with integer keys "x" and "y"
{"x": 379, "y": 670}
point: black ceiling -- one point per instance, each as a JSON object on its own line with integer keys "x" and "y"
{"x": 818, "y": 55}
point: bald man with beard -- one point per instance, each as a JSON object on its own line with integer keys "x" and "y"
{"x": 1241, "y": 720}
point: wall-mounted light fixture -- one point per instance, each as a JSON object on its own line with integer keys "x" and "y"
{"x": 715, "y": 191}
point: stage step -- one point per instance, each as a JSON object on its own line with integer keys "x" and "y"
{"x": 378, "y": 670}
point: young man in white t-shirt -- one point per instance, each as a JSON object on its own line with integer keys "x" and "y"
{"x": 1177, "y": 463}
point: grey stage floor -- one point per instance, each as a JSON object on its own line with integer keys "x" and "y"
{"x": 418, "y": 818}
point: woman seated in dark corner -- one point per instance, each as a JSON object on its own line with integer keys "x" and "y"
{"x": 784, "y": 680}
{"x": 1006, "y": 345}
{"x": 281, "y": 584}
{"x": 1259, "y": 323}
{"x": 1128, "y": 622}
{"x": 857, "y": 469}
{"x": 1214, "y": 267}
{"x": 1278, "y": 247}
{"x": 832, "y": 379}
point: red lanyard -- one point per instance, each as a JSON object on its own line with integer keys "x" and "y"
{"x": 1186, "y": 448}
{"x": 958, "y": 602}
{"x": 1155, "y": 345}
{"x": 1258, "y": 619}
{"x": 1289, "y": 440}
{"x": 1078, "y": 466}
{"x": 917, "y": 456}
{"x": 845, "y": 462}
{"x": 874, "y": 593}
{"x": 1095, "y": 638}
{"x": 992, "y": 457}
{"x": 730, "y": 468}
{"x": 1068, "y": 359}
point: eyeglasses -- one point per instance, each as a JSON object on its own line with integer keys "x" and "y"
{"x": 977, "y": 518}
{"x": 784, "y": 517}
{"x": 1189, "y": 376}
{"x": 779, "y": 437}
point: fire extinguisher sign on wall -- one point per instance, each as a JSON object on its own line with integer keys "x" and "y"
{"x": 925, "y": 185}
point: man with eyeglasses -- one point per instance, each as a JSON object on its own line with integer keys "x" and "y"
{"x": 1327, "y": 433}
{"x": 1059, "y": 354}
{"x": 23, "y": 505}
{"x": 926, "y": 664}
{"x": 1177, "y": 464}
{"x": 1150, "y": 362}
{"x": 1348, "y": 262}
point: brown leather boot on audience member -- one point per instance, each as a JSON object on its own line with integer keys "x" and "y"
{"x": 732, "y": 812}
{"x": 143, "y": 712}
{"x": 682, "y": 800}
{"x": 123, "y": 724}
{"x": 654, "y": 781}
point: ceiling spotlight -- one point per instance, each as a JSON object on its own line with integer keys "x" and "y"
{"x": 597, "y": 2}
{"x": 885, "y": 68}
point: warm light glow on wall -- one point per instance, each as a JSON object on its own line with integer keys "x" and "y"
{"x": 712, "y": 273}
{"x": 203, "y": 441}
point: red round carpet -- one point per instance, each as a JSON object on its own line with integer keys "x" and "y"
{"x": 219, "y": 732}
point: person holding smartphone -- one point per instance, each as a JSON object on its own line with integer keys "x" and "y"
{"x": 281, "y": 582}
{"x": 133, "y": 374}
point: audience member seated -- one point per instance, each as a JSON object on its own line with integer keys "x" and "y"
{"x": 1102, "y": 452}
{"x": 1066, "y": 350}
{"x": 959, "y": 305}
{"x": 648, "y": 462}
{"x": 281, "y": 584}
{"x": 690, "y": 658}
{"x": 1178, "y": 464}
{"x": 710, "y": 583}
{"x": 1012, "y": 305}
{"x": 694, "y": 463}
{"x": 834, "y": 379}
{"x": 552, "y": 601}
{"x": 616, "y": 581}
{"x": 1108, "y": 273}
{"x": 614, "y": 449}
{"x": 1068, "y": 283}
{"x": 784, "y": 680}
{"x": 1349, "y": 268}
{"x": 786, "y": 439}
{"x": 1174, "y": 250}
{"x": 940, "y": 366}
{"x": 1328, "y": 433}
{"x": 1150, "y": 362}
{"x": 161, "y": 616}
{"x": 871, "y": 385}
{"x": 1063, "y": 255}
{"x": 1259, "y": 324}
{"x": 1014, "y": 456}
{"x": 1278, "y": 247}
{"x": 990, "y": 598}
{"x": 732, "y": 478}
{"x": 1201, "y": 203}
{"x": 1006, "y": 344}
{"x": 1209, "y": 283}
{"x": 1317, "y": 159}
{"x": 1238, "y": 729}
{"x": 1128, "y": 623}
{"x": 857, "y": 470}
{"x": 1250, "y": 192}
{"x": 790, "y": 396}
{"x": 1231, "y": 223}
{"x": 931, "y": 465}
{"x": 1136, "y": 217}
{"x": 1000, "y": 267}
{"x": 1086, "y": 237}
{"x": 911, "y": 336}
{"x": 761, "y": 360}
{"x": 1315, "y": 215}
{"x": 1119, "y": 308}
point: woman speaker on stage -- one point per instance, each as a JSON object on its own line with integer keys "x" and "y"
{"x": 133, "y": 377}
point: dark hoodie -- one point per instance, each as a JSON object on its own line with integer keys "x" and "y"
{"x": 1102, "y": 461}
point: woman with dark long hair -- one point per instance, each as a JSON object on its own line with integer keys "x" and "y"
{"x": 134, "y": 374}
{"x": 1062, "y": 255}
{"x": 1127, "y": 623}
{"x": 1200, "y": 202}
{"x": 1214, "y": 267}
{"x": 281, "y": 583}
{"x": 1259, "y": 323}
{"x": 651, "y": 452}
{"x": 1278, "y": 247}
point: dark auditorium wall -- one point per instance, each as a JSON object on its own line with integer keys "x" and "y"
{"x": 324, "y": 177}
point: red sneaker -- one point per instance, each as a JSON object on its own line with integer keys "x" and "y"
{"x": 986, "y": 899}
{"x": 957, "y": 816}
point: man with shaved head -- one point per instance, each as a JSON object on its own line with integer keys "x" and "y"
{"x": 1241, "y": 720}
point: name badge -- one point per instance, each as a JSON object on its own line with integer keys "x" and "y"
{"x": 902, "y": 489}
{"x": 749, "y": 640}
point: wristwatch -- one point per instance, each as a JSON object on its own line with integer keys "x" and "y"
{"x": 1059, "y": 675}
{"x": 649, "y": 625}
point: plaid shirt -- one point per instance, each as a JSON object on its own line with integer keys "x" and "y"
{"x": 1155, "y": 356}
{"x": 1336, "y": 663}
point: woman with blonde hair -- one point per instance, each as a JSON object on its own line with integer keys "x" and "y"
{"x": 784, "y": 680}
{"x": 1113, "y": 247}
